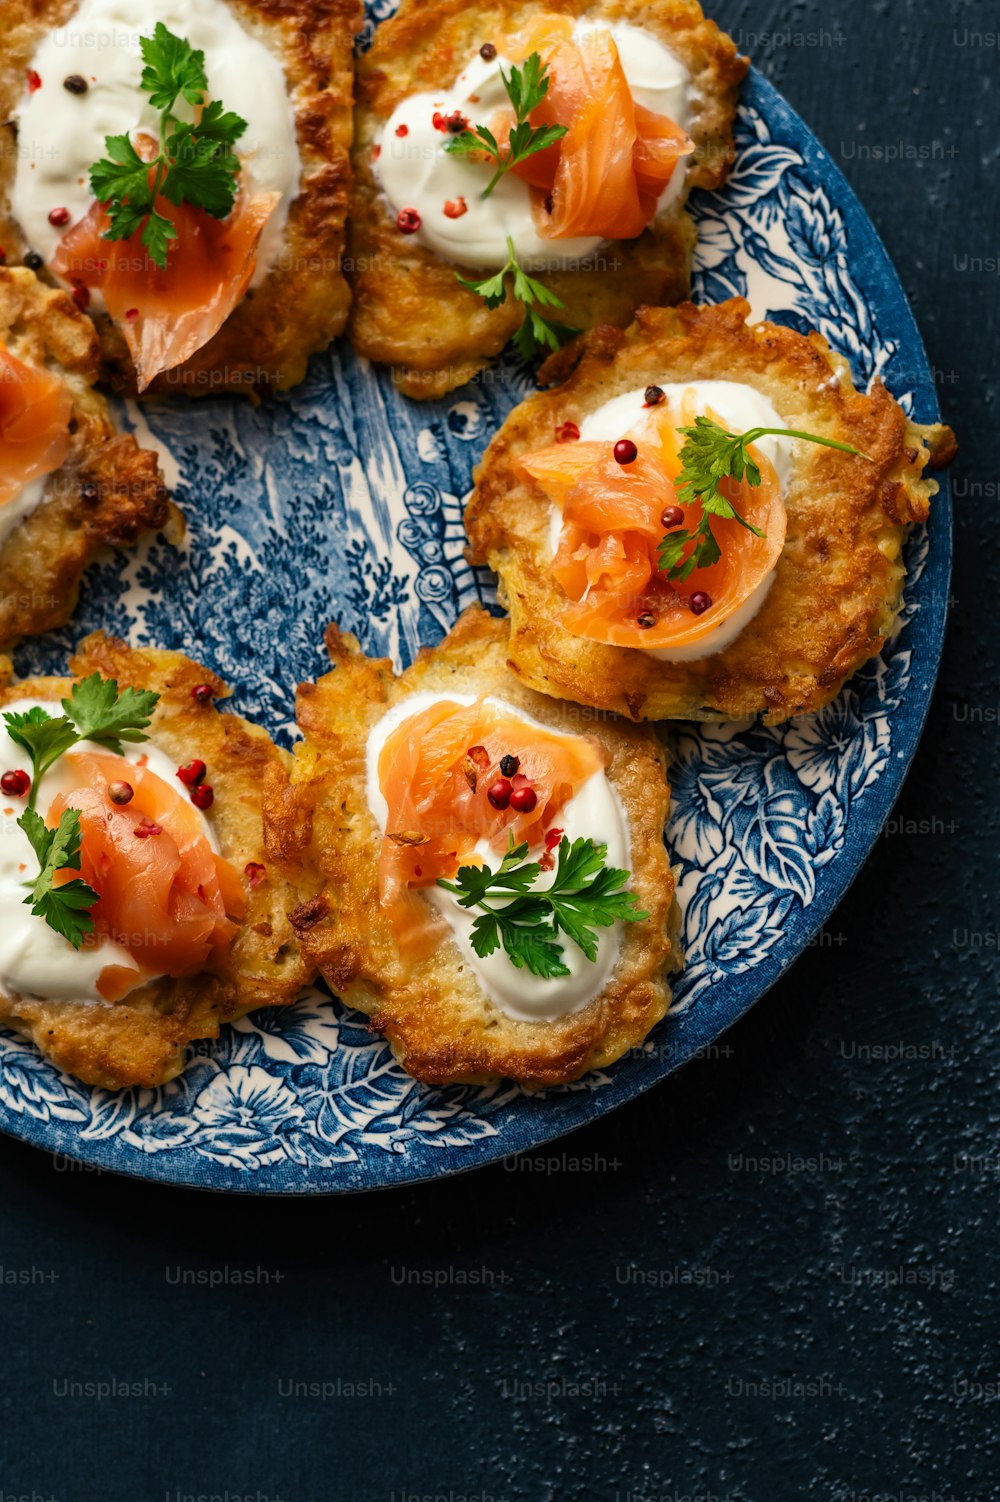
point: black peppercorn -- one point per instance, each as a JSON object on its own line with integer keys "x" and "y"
{"x": 33, "y": 260}
{"x": 488, "y": 51}
{"x": 509, "y": 765}
{"x": 76, "y": 84}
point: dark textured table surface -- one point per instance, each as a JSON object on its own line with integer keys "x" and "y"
{"x": 772, "y": 1278}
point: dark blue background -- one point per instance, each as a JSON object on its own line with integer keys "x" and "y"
{"x": 773, "y": 1277}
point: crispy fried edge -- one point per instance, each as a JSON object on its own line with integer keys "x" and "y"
{"x": 437, "y": 1020}
{"x": 43, "y": 559}
{"x": 838, "y": 588}
{"x": 303, "y": 302}
{"x": 142, "y": 1040}
{"x": 409, "y": 311}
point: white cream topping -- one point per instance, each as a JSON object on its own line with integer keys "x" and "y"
{"x": 61, "y": 135}
{"x": 595, "y": 812}
{"x": 738, "y": 407}
{"x": 34, "y": 959}
{"x": 19, "y": 506}
{"x": 416, "y": 171}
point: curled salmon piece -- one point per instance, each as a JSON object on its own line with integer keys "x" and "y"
{"x": 167, "y": 315}
{"x": 606, "y": 562}
{"x": 165, "y": 896}
{"x": 435, "y": 770}
{"x": 35, "y": 410}
{"x": 606, "y": 176}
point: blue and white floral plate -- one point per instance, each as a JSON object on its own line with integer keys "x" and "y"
{"x": 344, "y": 501}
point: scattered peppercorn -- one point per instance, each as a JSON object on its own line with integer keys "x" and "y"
{"x": 671, "y": 516}
{"x": 509, "y": 765}
{"x": 33, "y": 260}
{"x": 653, "y": 396}
{"x": 455, "y": 207}
{"x": 488, "y": 51}
{"x": 402, "y": 130}
{"x": 456, "y": 122}
{"x": 76, "y": 84}
{"x": 646, "y": 619}
{"x": 567, "y": 432}
{"x": 58, "y": 217}
{"x": 408, "y": 221}
{"x": 254, "y": 873}
{"x": 700, "y": 602}
{"x": 15, "y": 784}
{"x": 34, "y": 81}
{"x": 500, "y": 793}
{"x": 145, "y": 828}
{"x": 203, "y": 692}
{"x": 625, "y": 451}
{"x": 121, "y": 792}
{"x": 523, "y": 800}
{"x": 202, "y": 796}
{"x": 193, "y": 773}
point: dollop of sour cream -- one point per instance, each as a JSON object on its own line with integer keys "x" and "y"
{"x": 595, "y": 813}
{"x": 60, "y": 134}
{"x": 34, "y": 959}
{"x": 738, "y": 407}
{"x": 416, "y": 171}
{"x": 13, "y": 512}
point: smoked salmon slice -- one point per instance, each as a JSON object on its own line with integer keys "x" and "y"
{"x": 167, "y": 315}
{"x": 606, "y": 562}
{"x": 604, "y": 177}
{"x": 35, "y": 411}
{"x": 165, "y": 896}
{"x": 435, "y": 770}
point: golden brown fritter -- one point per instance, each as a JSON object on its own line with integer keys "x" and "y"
{"x": 303, "y": 302}
{"x": 441, "y": 1025}
{"x": 839, "y": 580}
{"x": 108, "y": 491}
{"x": 409, "y": 310}
{"x": 143, "y": 1039}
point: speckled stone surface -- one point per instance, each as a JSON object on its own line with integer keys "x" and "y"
{"x": 772, "y": 1279}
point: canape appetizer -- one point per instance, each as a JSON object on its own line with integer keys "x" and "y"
{"x": 139, "y": 908}
{"x": 183, "y": 169}
{"x": 706, "y": 521}
{"x": 69, "y": 482}
{"x": 521, "y": 172}
{"x": 494, "y": 891}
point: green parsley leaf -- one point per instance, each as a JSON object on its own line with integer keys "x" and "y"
{"x": 64, "y": 908}
{"x": 710, "y": 455}
{"x": 100, "y": 713}
{"x": 45, "y": 737}
{"x": 526, "y": 88}
{"x": 536, "y": 331}
{"x": 173, "y": 68}
{"x": 585, "y": 894}
{"x": 122, "y": 176}
{"x": 196, "y": 163}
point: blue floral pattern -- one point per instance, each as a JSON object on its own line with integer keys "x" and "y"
{"x": 342, "y": 501}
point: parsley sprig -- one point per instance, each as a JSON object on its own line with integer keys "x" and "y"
{"x": 536, "y": 330}
{"x": 712, "y": 454}
{"x": 585, "y": 894}
{"x": 94, "y": 711}
{"x": 526, "y": 88}
{"x": 65, "y": 908}
{"x": 196, "y": 163}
